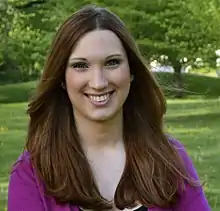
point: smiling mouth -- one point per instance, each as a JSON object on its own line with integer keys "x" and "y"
{"x": 99, "y": 98}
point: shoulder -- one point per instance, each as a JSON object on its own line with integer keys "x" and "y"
{"x": 186, "y": 159}
{"x": 23, "y": 157}
{"x": 193, "y": 197}
{"x": 22, "y": 167}
{"x": 26, "y": 192}
{"x": 22, "y": 173}
{"x": 22, "y": 164}
{"x": 24, "y": 189}
{"x": 176, "y": 143}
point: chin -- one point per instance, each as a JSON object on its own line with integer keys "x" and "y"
{"x": 102, "y": 117}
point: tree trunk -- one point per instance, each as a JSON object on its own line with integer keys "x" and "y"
{"x": 6, "y": 29}
{"x": 178, "y": 80}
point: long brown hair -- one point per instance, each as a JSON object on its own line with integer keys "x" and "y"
{"x": 154, "y": 170}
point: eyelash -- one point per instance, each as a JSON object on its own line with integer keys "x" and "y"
{"x": 82, "y": 65}
{"x": 79, "y": 65}
{"x": 115, "y": 61}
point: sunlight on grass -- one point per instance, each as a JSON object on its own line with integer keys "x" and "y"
{"x": 3, "y": 189}
{"x": 3, "y": 196}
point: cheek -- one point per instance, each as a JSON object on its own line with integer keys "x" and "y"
{"x": 73, "y": 81}
{"x": 123, "y": 78}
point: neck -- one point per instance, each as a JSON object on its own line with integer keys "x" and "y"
{"x": 98, "y": 134}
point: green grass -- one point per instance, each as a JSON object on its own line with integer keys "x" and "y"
{"x": 208, "y": 71}
{"x": 18, "y": 92}
{"x": 195, "y": 122}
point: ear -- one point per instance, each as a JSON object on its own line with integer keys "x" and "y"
{"x": 132, "y": 78}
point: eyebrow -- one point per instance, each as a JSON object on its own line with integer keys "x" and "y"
{"x": 108, "y": 57}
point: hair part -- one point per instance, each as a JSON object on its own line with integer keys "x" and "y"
{"x": 154, "y": 170}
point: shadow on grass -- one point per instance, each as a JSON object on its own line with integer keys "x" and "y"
{"x": 16, "y": 93}
{"x": 191, "y": 104}
{"x": 193, "y": 119}
{"x": 205, "y": 86}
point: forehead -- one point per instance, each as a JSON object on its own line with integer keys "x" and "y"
{"x": 98, "y": 43}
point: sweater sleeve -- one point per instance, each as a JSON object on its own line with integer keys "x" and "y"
{"x": 192, "y": 198}
{"x": 23, "y": 190}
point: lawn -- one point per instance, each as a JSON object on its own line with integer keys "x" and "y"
{"x": 196, "y": 122}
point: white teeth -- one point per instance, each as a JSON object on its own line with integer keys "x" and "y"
{"x": 99, "y": 98}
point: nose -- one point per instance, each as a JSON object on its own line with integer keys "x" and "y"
{"x": 98, "y": 79}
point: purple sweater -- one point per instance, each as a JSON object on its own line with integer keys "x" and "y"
{"x": 25, "y": 193}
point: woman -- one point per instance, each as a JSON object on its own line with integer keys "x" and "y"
{"x": 95, "y": 139}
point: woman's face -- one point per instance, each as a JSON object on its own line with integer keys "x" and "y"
{"x": 98, "y": 76}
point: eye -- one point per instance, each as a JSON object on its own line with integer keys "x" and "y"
{"x": 79, "y": 65}
{"x": 113, "y": 63}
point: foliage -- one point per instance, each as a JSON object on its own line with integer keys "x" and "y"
{"x": 24, "y": 43}
{"x": 176, "y": 28}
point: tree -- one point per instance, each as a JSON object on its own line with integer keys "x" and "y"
{"x": 23, "y": 43}
{"x": 5, "y": 27}
{"x": 176, "y": 28}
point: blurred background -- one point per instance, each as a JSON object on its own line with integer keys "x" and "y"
{"x": 180, "y": 39}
